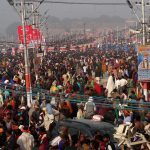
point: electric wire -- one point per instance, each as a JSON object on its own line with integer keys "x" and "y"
{"x": 80, "y": 3}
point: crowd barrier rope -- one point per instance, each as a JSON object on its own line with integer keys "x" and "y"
{"x": 42, "y": 94}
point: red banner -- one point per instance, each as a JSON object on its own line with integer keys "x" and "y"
{"x": 32, "y": 35}
{"x": 29, "y": 32}
{"x": 36, "y": 35}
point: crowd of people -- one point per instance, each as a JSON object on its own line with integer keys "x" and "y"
{"x": 111, "y": 75}
{"x": 74, "y": 39}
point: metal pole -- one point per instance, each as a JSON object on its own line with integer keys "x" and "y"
{"x": 136, "y": 34}
{"x": 125, "y": 34}
{"x": 26, "y": 58}
{"x": 145, "y": 84}
{"x": 117, "y": 34}
{"x": 111, "y": 40}
{"x": 143, "y": 21}
{"x": 84, "y": 30}
{"x": 34, "y": 47}
{"x": 33, "y": 15}
{"x": 117, "y": 41}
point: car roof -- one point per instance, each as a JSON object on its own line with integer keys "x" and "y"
{"x": 95, "y": 124}
{"x": 75, "y": 125}
{"x": 72, "y": 123}
{"x": 89, "y": 125}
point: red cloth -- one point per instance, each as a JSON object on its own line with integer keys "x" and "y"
{"x": 44, "y": 144}
{"x": 102, "y": 146}
{"x": 13, "y": 104}
{"x": 103, "y": 111}
{"x": 98, "y": 89}
{"x": 69, "y": 88}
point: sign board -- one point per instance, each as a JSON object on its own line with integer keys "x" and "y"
{"x": 29, "y": 32}
{"x": 36, "y": 35}
{"x": 144, "y": 63}
{"x": 33, "y": 35}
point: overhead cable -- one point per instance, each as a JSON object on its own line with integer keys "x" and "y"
{"x": 80, "y": 3}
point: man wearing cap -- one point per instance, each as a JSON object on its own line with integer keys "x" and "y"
{"x": 89, "y": 108}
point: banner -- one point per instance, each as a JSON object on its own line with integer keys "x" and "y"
{"x": 144, "y": 63}
{"x": 32, "y": 35}
{"x": 36, "y": 36}
{"x": 29, "y": 31}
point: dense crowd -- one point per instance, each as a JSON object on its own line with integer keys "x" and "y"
{"x": 111, "y": 75}
{"x": 70, "y": 40}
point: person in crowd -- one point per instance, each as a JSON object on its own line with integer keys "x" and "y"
{"x": 138, "y": 125}
{"x": 6, "y": 93}
{"x": 108, "y": 144}
{"x": 124, "y": 95}
{"x": 44, "y": 142}
{"x": 80, "y": 113}
{"x": 89, "y": 108}
{"x": 123, "y": 83}
{"x": 127, "y": 116}
{"x": 117, "y": 83}
{"x": 25, "y": 140}
{"x": 110, "y": 85}
{"x": 10, "y": 143}
{"x": 49, "y": 107}
{"x": 31, "y": 110}
{"x": 115, "y": 94}
{"x": 1, "y": 99}
{"x": 3, "y": 136}
{"x": 133, "y": 95}
{"x": 48, "y": 120}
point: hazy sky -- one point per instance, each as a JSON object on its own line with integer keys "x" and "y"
{"x": 8, "y": 14}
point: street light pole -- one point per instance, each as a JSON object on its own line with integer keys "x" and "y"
{"x": 33, "y": 23}
{"x": 26, "y": 56}
{"x": 145, "y": 84}
{"x": 84, "y": 30}
{"x": 117, "y": 35}
{"x": 136, "y": 33}
{"x": 125, "y": 38}
{"x": 143, "y": 22}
